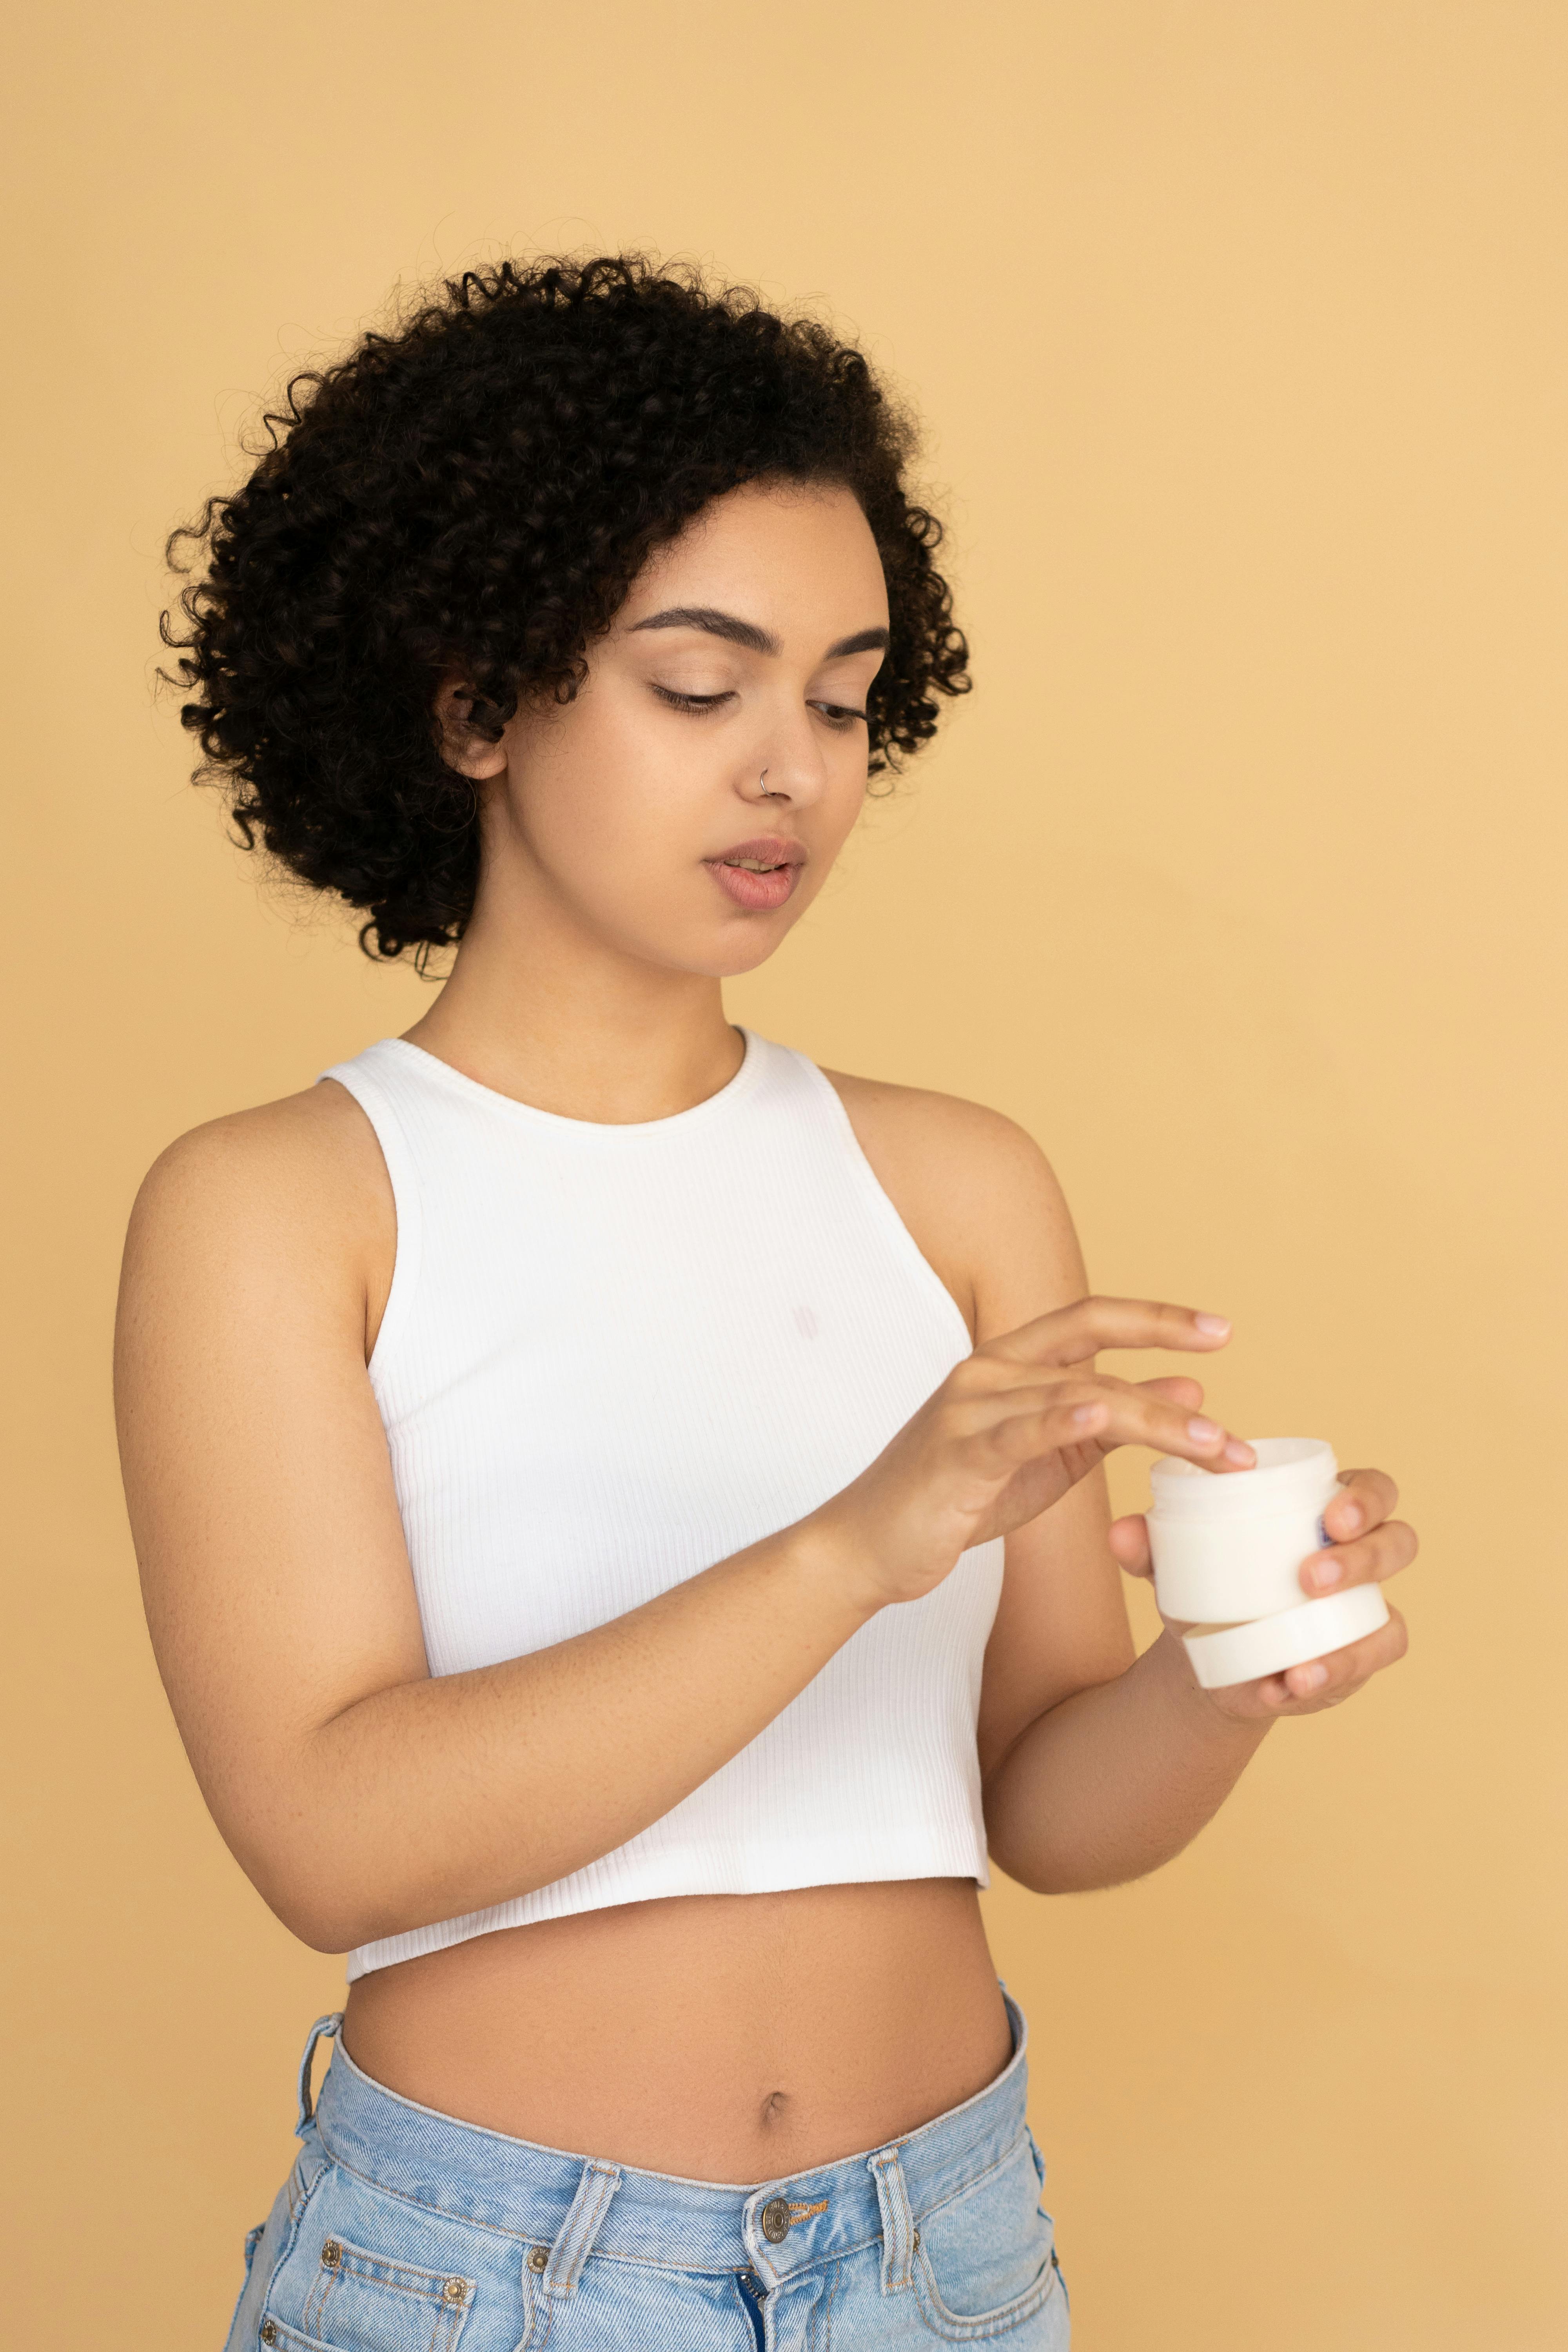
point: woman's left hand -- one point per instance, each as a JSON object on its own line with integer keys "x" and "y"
{"x": 1367, "y": 1546}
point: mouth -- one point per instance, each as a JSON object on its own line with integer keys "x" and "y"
{"x": 758, "y": 874}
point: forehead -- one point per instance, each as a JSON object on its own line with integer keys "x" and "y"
{"x": 796, "y": 558}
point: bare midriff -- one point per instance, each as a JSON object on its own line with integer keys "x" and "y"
{"x": 733, "y": 2038}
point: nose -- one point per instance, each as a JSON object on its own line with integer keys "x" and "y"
{"x": 787, "y": 762}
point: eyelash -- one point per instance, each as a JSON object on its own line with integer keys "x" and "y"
{"x": 837, "y": 714}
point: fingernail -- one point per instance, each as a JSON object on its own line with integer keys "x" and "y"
{"x": 1213, "y": 1327}
{"x": 1312, "y": 1677}
{"x": 1348, "y": 1518}
{"x": 1203, "y": 1432}
{"x": 1240, "y": 1453}
{"x": 1085, "y": 1413}
{"x": 1326, "y": 1573}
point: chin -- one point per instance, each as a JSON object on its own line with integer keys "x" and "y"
{"x": 732, "y": 960}
{"x": 746, "y": 957}
{"x": 723, "y": 951}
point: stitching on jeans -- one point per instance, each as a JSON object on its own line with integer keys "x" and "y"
{"x": 361, "y": 2262}
{"x": 967, "y": 2187}
{"x": 642, "y": 2261}
{"x": 296, "y": 2223}
{"x": 541, "y": 2316}
{"x": 530, "y": 2237}
{"x": 753, "y": 2318}
{"x": 587, "y": 2229}
{"x": 817, "y": 2334}
{"x": 956, "y": 2328}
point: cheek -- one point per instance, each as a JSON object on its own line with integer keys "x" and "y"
{"x": 609, "y": 797}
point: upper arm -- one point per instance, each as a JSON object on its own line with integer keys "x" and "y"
{"x": 1061, "y": 1622}
{"x": 273, "y": 1566}
{"x": 984, "y": 1204}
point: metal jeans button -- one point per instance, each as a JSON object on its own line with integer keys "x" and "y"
{"x": 776, "y": 2219}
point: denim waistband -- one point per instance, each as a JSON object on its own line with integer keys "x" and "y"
{"x": 575, "y": 2204}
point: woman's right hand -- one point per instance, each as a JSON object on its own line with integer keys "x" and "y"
{"x": 1010, "y": 1430}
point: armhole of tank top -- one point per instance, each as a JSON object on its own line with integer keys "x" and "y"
{"x": 387, "y": 1129}
{"x": 882, "y": 1201}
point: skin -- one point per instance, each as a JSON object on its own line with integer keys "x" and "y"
{"x": 725, "y": 2038}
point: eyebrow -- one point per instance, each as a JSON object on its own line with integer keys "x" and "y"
{"x": 747, "y": 634}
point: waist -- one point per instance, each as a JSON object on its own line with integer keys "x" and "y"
{"x": 806, "y": 2215}
{"x": 721, "y": 2038}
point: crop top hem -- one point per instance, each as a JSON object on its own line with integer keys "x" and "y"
{"x": 924, "y": 1851}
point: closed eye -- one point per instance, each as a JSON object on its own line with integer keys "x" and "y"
{"x": 835, "y": 714}
{"x": 690, "y": 702}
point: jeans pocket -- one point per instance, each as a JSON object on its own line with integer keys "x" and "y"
{"x": 985, "y": 2260}
{"x": 361, "y": 2301}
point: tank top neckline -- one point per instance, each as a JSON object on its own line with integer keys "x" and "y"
{"x": 557, "y": 1123}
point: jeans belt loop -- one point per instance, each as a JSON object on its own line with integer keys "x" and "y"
{"x": 897, "y": 2220}
{"x": 323, "y": 2027}
{"x": 575, "y": 2242}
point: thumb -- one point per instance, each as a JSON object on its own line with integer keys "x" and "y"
{"x": 1129, "y": 1545}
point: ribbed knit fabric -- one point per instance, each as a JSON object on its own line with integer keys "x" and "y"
{"x": 613, "y": 1355}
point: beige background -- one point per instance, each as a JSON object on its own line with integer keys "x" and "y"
{"x": 1240, "y": 333}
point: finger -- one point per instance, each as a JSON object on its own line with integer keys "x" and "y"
{"x": 1297, "y": 1692}
{"x": 1129, "y": 1545}
{"x": 1388, "y": 1548}
{"x": 1368, "y": 1498}
{"x": 1326, "y": 1681}
{"x": 1142, "y": 1416}
{"x": 1110, "y": 1414}
{"x": 1177, "y": 1390}
{"x": 998, "y": 1433}
{"x": 1070, "y": 1335}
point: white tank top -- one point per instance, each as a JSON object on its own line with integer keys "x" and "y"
{"x": 613, "y": 1355}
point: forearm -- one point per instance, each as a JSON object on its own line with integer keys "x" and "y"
{"x": 1117, "y": 1779}
{"x": 449, "y": 1795}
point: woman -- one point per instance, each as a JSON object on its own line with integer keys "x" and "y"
{"x": 620, "y": 1507}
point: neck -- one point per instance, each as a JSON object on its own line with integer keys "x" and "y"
{"x": 538, "y": 1009}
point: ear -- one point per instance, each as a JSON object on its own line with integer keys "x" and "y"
{"x": 462, "y": 746}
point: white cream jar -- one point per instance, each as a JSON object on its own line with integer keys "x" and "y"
{"x": 1228, "y": 1552}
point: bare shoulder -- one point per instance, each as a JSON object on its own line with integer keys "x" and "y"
{"x": 296, "y": 1187}
{"x": 977, "y": 1192}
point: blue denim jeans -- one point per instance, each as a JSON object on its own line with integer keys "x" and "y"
{"x": 400, "y": 2229}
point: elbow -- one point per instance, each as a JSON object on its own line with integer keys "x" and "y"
{"x": 322, "y": 1888}
{"x": 1043, "y": 1867}
{"x": 335, "y": 1918}
{"x": 322, "y": 1935}
{"x": 314, "y": 1905}
{"x": 1013, "y": 1846}
{"x": 1033, "y": 1873}
{"x": 1021, "y": 1861}
{"x": 310, "y": 1914}
{"x": 1042, "y": 1877}
{"x": 1085, "y": 1871}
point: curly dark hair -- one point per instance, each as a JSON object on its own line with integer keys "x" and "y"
{"x": 478, "y": 488}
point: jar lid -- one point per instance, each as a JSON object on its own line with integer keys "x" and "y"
{"x": 1291, "y": 1472}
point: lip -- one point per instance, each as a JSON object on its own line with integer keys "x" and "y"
{"x": 771, "y": 848}
{"x": 759, "y": 892}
